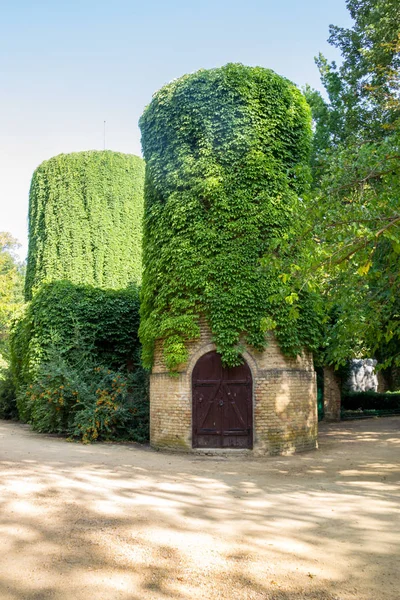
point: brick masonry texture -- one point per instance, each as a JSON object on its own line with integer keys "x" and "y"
{"x": 284, "y": 400}
{"x": 332, "y": 395}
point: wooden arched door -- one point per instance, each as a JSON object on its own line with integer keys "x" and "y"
{"x": 222, "y": 404}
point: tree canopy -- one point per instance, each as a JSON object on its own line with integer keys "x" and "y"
{"x": 354, "y": 215}
{"x": 11, "y": 286}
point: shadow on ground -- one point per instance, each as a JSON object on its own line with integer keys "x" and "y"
{"x": 122, "y": 522}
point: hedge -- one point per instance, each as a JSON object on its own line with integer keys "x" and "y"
{"x": 82, "y": 325}
{"x": 370, "y": 401}
{"x": 85, "y": 220}
{"x": 226, "y": 155}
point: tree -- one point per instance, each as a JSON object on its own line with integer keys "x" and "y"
{"x": 11, "y": 287}
{"x": 354, "y": 214}
{"x": 11, "y": 298}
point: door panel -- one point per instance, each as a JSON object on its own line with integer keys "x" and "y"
{"x": 222, "y": 404}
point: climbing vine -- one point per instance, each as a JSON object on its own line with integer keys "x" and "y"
{"x": 77, "y": 328}
{"x": 85, "y": 220}
{"x": 226, "y": 155}
{"x": 76, "y": 319}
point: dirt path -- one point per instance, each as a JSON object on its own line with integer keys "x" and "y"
{"x": 123, "y": 522}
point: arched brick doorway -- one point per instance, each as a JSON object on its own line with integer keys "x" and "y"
{"x": 222, "y": 404}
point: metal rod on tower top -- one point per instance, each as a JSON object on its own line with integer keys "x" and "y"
{"x": 104, "y": 135}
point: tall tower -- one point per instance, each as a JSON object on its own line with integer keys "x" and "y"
{"x": 85, "y": 220}
{"x": 226, "y": 155}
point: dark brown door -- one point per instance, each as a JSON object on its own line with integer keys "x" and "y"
{"x": 222, "y": 404}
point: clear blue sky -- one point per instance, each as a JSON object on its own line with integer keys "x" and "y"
{"x": 68, "y": 65}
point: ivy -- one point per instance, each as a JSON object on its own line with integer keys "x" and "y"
{"x": 82, "y": 325}
{"x": 227, "y": 154}
{"x": 85, "y": 220}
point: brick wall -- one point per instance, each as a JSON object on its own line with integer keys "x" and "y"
{"x": 332, "y": 396}
{"x": 284, "y": 400}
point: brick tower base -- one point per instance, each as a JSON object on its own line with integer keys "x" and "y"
{"x": 284, "y": 400}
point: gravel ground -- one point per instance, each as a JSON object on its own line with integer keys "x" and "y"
{"x": 123, "y": 522}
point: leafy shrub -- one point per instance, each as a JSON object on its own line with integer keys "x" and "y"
{"x": 370, "y": 401}
{"x": 11, "y": 301}
{"x": 72, "y": 341}
{"x": 85, "y": 220}
{"x": 8, "y": 404}
{"x": 50, "y": 401}
{"x": 78, "y": 319}
{"x": 86, "y": 402}
{"x": 226, "y": 155}
{"x": 111, "y": 412}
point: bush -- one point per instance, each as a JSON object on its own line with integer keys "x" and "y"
{"x": 77, "y": 319}
{"x": 50, "y": 401}
{"x": 86, "y": 402}
{"x": 72, "y": 341}
{"x": 370, "y": 401}
{"x": 112, "y": 411}
{"x": 8, "y": 404}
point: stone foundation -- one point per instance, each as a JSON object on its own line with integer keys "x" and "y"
{"x": 284, "y": 400}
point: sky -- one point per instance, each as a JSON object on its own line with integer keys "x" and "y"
{"x": 66, "y": 66}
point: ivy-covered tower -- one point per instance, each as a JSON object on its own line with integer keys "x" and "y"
{"x": 85, "y": 220}
{"x": 226, "y": 155}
